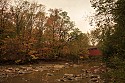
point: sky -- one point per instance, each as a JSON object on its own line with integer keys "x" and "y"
{"x": 78, "y": 10}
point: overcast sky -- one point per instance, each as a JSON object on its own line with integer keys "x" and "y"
{"x": 78, "y": 10}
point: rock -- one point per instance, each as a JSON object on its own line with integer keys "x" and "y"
{"x": 61, "y": 80}
{"x": 29, "y": 68}
{"x": 20, "y": 72}
{"x": 23, "y": 67}
{"x": 35, "y": 70}
{"x": 70, "y": 78}
{"x": 58, "y": 66}
{"x": 78, "y": 78}
{"x": 69, "y": 75}
{"x": 66, "y": 63}
{"x": 94, "y": 76}
{"x": 38, "y": 69}
{"x": 78, "y": 75}
{"x": 17, "y": 69}
{"x": 10, "y": 68}
{"x": 94, "y": 80}
{"x": 83, "y": 70}
{"x": 49, "y": 74}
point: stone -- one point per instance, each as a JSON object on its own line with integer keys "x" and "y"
{"x": 94, "y": 80}
{"x": 78, "y": 78}
{"x": 70, "y": 78}
{"x": 17, "y": 69}
{"x": 10, "y": 68}
{"x": 78, "y": 75}
{"x": 49, "y": 74}
{"x": 94, "y": 76}
{"x": 69, "y": 75}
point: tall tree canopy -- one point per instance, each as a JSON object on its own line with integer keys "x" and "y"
{"x": 27, "y": 32}
{"x": 110, "y": 20}
{"x": 110, "y": 25}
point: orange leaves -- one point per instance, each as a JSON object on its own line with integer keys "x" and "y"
{"x": 49, "y": 22}
{"x": 33, "y": 33}
{"x": 66, "y": 50}
{"x": 17, "y": 48}
{"x": 52, "y": 23}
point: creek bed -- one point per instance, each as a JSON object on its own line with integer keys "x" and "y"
{"x": 52, "y": 73}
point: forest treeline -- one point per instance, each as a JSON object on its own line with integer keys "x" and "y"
{"x": 28, "y": 32}
{"x": 110, "y": 35}
{"x": 109, "y": 29}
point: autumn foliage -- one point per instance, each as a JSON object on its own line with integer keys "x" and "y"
{"x": 27, "y": 32}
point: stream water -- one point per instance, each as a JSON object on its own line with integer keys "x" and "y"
{"x": 53, "y": 73}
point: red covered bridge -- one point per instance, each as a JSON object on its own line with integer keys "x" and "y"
{"x": 94, "y": 51}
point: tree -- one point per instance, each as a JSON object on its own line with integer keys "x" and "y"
{"x": 5, "y": 22}
{"x": 78, "y": 44}
{"x": 104, "y": 24}
{"x": 17, "y": 22}
{"x": 94, "y": 37}
{"x": 119, "y": 34}
{"x": 111, "y": 26}
{"x": 6, "y": 26}
{"x": 57, "y": 30}
{"x": 27, "y": 32}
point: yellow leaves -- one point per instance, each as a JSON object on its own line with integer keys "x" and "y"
{"x": 33, "y": 54}
{"x": 34, "y": 57}
{"x": 17, "y": 61}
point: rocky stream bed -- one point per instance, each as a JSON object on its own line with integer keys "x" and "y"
{"x": 53, "y": 73}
